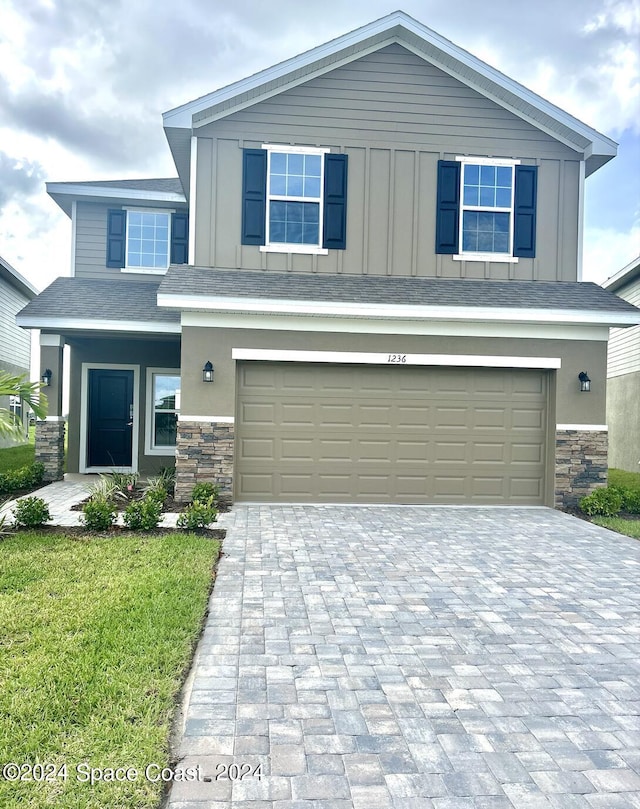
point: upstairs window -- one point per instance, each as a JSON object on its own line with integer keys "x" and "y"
{"x": 294, "y": 199}
{"x": 486, "y": 209}
{"x": 147, "y": 239}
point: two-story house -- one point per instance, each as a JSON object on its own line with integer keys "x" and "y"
{"x": 15, "y": 343}
{"x": 364, "y": 286}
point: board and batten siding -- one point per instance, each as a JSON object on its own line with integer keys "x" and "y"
{"x": 624, "y": 344}
{"x": 395, "y": 116}
{"x": 15, "y": 343}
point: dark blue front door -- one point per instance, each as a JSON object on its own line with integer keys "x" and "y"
{"x": 110, "y": 435}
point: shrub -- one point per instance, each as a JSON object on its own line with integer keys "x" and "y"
{"x": 198, "y": 514}
{"x": 203, "y": 492}
{"x": 31, "y": 512}
{"x": 124, "y": 482}
{"x": 98, "y": 513}
{"x": 631, "y": 500}
{"x": 143, "y": 515}
{"x": 156, "y": 488}
{"x": 24, "y": 478}
{"x": 605, "y": 501}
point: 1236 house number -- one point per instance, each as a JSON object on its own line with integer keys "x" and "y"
{"x": 395, "y": 358}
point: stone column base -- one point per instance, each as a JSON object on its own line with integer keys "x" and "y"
{"x": 581, "y": 464}
{"x": 204, "y": 453}
{"x": 50, "y": 448}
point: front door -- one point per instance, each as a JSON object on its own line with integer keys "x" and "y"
{"x": 110, "y": 418}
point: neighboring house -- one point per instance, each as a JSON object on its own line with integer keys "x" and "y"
{"x": 379, "y": 273}
{"x": 623, "y": 377}
{"x": 15, "y": 343}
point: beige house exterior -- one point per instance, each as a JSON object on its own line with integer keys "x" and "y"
{"x": 376, "y": 249}
{"x": 623, "y": 376}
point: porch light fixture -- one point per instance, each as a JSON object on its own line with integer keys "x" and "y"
{"x": 46, "y": 377}
{"x": 207, "y": 372}
{"x": 585, "y": 382}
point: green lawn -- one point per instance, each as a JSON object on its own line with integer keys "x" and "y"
{"x": 16, "y": 457}
{"x": 96, "y": 635}
{"x": 630, "y": 528}
{"x": 630, "y": 480}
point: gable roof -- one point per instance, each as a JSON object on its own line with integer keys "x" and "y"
{"x": 17, "y": 281}
{"x": 628, "y": 273}
{"x": 402, "y": 29}
{"x": 369, "y": 296}
{"x": 164, "y": 189}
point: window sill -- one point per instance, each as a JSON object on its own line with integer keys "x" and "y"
{"x": 302, "y": 249}
{"x": 144, "y": 270}
{"x": 164, "y": 451}
{"x": 494, "y": 257}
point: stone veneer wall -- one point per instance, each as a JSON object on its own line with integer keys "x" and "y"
{"x": 50, "y": 448}
{"x": 204, "y": 452}
{"x": 581, "y": 464}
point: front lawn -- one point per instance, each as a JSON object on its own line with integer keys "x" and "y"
{"x": 628, "y": 480}
{"x": 96, "y": 635}
{"x": 18, "y": 456}
{"x": 622, "y": 525}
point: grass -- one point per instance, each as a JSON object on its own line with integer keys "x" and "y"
{"x": 619, "y": 477}
{"x": 96, "y": 635}
{"x": 18, "y": 456}
{"x": 630, "y": 528}
{"x": 622, "y": 525}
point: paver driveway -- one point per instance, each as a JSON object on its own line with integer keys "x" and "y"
{"x": 376, "y": 657}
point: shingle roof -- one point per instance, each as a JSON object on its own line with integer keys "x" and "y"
{"x": 93, "y": 301}
{"x": 199, "y": 281}
{"x": 164, "y": 184}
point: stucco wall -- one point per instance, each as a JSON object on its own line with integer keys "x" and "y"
{"x": 623, "y": 418}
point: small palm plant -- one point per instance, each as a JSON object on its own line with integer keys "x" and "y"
{"x": 29, "y": 392}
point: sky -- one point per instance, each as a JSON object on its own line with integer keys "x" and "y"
{"x": 84, "y": 83}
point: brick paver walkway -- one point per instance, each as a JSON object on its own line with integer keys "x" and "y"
{"x": 417, "y": 658}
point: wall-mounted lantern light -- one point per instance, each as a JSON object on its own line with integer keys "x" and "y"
{"x": 46, "y": 377}
{"x": 207, "y": 372}
{"x": 585, "y": 382}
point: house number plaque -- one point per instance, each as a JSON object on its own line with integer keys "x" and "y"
{"x": 396, "y": 358}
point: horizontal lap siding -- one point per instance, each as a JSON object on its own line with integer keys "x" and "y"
{"x": 15, "y": 343}
{"x": 624, "y": 344}
{"x": 394, "y": 116}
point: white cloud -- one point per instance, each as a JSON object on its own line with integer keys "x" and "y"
{"x": 607, "y": 250}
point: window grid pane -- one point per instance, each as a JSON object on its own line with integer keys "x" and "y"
{"x": 295, "y": 175}
{"x": 294, "y": 222}
{"x": 165, "y": 417}
{"x": 487, "y": 186}
{"x": 147, "y": 239}
{"x": 485, "y": 232}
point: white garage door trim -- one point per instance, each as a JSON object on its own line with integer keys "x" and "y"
{"x": 366, "y": 358}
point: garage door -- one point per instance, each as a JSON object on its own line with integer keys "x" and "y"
{"x": 389, "y": 434}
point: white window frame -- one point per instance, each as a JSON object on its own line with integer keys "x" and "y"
{"x": 147, "y": 270}
{"x": 284, "y": 247}
{"x": 462, "y": 255}
{"x": 149, "y": 447}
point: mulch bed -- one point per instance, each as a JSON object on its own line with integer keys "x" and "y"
{"x": 170, "y": 506}
{"x": 80, "y": 532}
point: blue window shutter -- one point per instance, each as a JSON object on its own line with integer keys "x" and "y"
{"x": 448, "y": 207}
{"x": 524, "y": 226}
{"x": 334, "y": 235}
{"x": 180, "y": 238}
{"x": 116, "y": 238}
{"x": 254, "y": 195}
